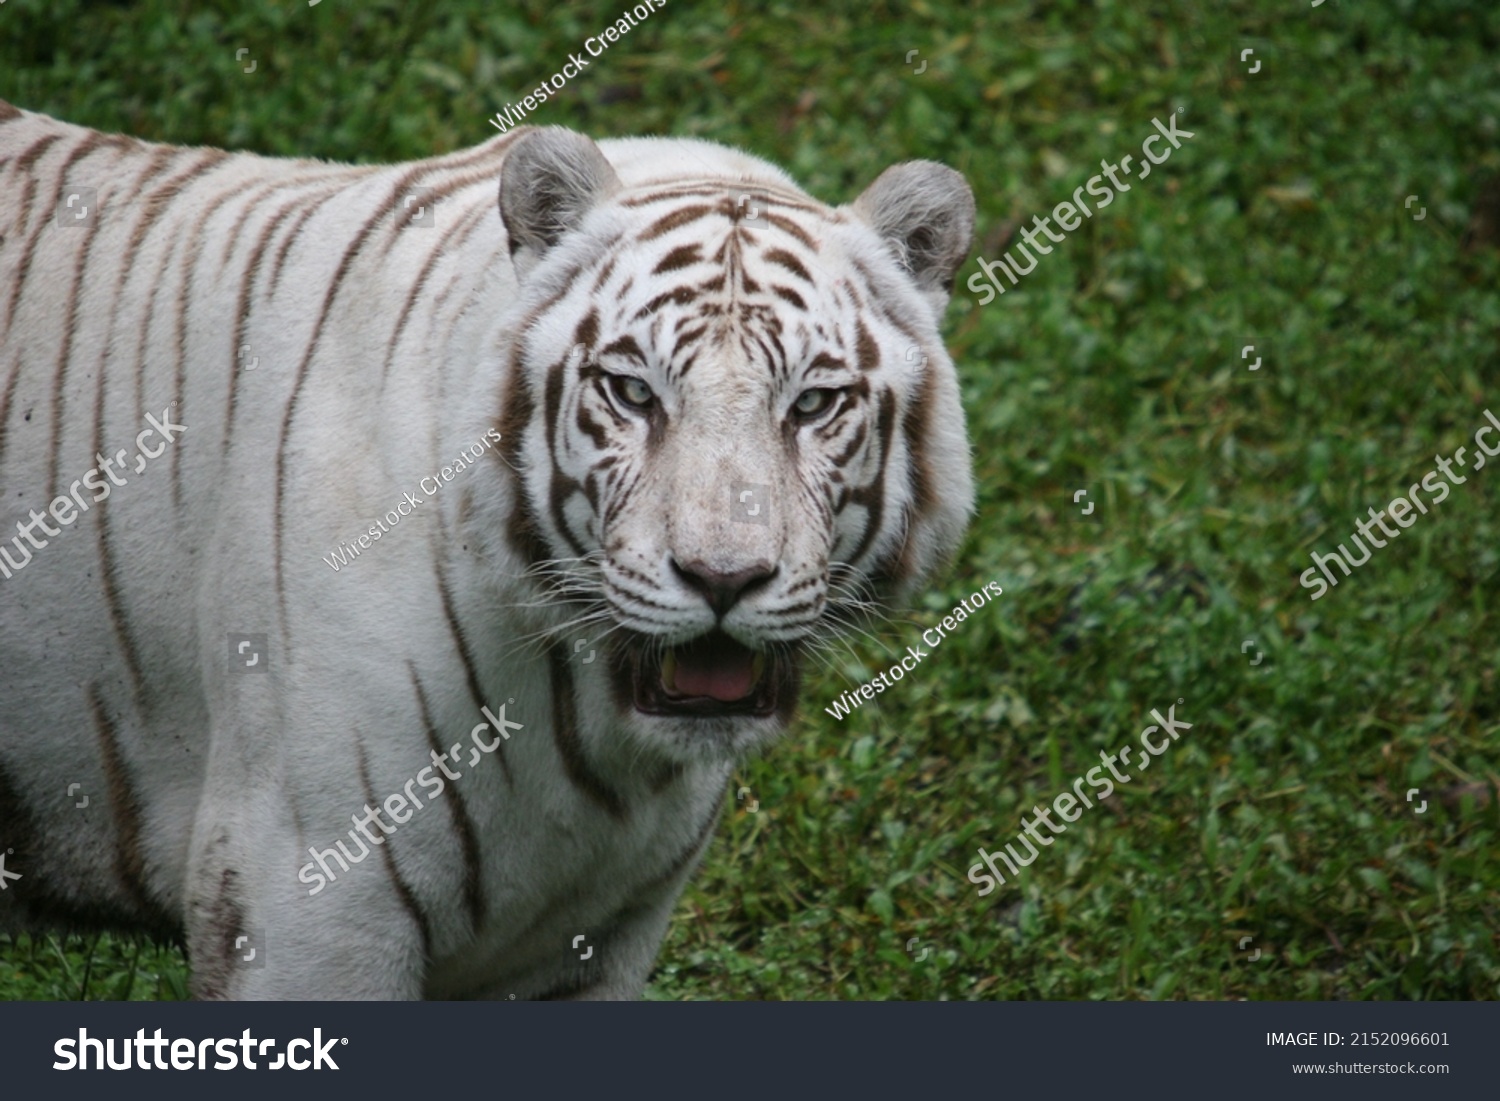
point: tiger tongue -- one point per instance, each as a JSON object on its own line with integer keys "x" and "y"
{"x": 715, "y": 666}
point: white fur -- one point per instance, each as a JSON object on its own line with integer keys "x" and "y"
{"x": 235, "y": 775}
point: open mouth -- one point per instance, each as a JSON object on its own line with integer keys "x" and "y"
{"x": 711, "y": 675}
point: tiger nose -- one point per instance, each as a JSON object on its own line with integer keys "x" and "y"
{"x": 722, "y": 590}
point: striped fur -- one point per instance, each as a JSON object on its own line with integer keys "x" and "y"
{"x": 326, "y": 351}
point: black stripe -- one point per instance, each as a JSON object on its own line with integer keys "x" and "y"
{"x": 291, "y": 237}
{"x": 43, "y": 903}
{"x": 604, "y": 273}
{"x": 435, "y": 310}
{"x": 252, "y": 205}
{"x": 680, "y": 257}
{"x": 242, "y": 312}
{"x": 856, "y": 439}
{"x": 489, "y": 153}
{"x": 160, "y": 200}
{"x": 789, "y": 295}
{"x": 681, "y": 191}
{"x": 463, "y": 825}
{"x": 441, "y": 192}
{"x": 60, "y": 372}
{"x": 626, "y": 346}
{"x": 693, "y": 849}
{"x": 157, "y": 204}
{"x": 159, "y": 160}
{"x": 878, "y": 298}
{"x": 185, "y": 290}
{"x": 681, "y": 296}
{"x": 778, "y": 368}
{"x": 569, "y": 745}
{"x": 403, "y": 889}
{"x": 436, "y": 253}
{"x": 278, "y": 520}
{"x": 595, "y": 431}
{"x": 560, "y": 485}
{"x": 787, "y": 260}
{"x": 791, "y": 227}
{"x": 168, "y": 254}
{"x": 23, "y": 164}
{"x": 461, "y": 643}
{"x": 642, "y": 897}
{"x": 517, "y": 412}
{"x": 108, "y": 576}
{"x": 866, "y": 351}
{"x": 80, "y": 278}
{"x": 717, "y": 189}
{"x": 915, "y": 426}
{"x": 873, "y": 495}
{"x": 5, "y": 399}
{"x": 130, "y": 861}
{"x": 524, "y": 530}
{"x": 222, "y": 923}
{"x": 678, "y": 218}
{"x": 688, "y": 336}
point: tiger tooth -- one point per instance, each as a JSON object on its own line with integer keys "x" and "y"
{"x": 757, "y": 667}
{"x": 669, "y": 672}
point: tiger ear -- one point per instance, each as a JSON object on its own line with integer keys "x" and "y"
{"x": 925, "y": 213}
{"x": 551, "y": 178}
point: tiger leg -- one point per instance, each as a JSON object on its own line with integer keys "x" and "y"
{"x": 623, "y": 948}
{"x": 254, "y": 933}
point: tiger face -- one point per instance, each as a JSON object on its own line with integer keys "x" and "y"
{"x": 732, "y": 420}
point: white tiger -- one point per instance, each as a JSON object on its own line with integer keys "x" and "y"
{"x": 613, "y": 453}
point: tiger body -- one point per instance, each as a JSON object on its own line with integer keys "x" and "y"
{"x": 279, "y": 358}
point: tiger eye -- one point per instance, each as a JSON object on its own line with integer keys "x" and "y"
{"x": 813, "y": 402}
{"x": 632, "y": 391}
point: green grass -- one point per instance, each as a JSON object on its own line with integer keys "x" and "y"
{"x": 1112, "y": 368}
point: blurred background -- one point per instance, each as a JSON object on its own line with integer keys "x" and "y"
{"x": 1272, "y": 853}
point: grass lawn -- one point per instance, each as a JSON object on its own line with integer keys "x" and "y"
{"x": 1269, "y": 853}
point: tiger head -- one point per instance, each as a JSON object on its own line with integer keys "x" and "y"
{"x": 733, "y": 424}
